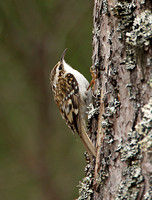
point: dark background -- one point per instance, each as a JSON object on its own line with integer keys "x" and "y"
{"x": 40, "y": 159}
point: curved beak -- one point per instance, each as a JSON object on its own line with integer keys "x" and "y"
{"x": 62, "y": 56}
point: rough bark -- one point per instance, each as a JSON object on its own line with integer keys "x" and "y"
{"x": 121, "y": 116}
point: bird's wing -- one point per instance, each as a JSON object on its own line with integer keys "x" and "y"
{"x": 71, "y": 109}
{"x": 68, "y": 100}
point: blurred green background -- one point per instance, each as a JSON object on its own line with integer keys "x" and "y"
{"x": 40, "y": 159}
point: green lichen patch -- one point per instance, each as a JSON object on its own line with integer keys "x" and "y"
{"x": 84, "y": 190}
{"x": 111, "y": 109}
{"x": 124, "y": 11}
{"x": 130, "y": 60}
{"x": 104, "y": 7}
{"x": 141, "y": 30}
{"x": 148, "y": 194}
{"x": 85, "y": 186}
{"x": 142, "y": 2}
{"x": 123, "y": 8}
{"x": 92, "y": 111}
{"x": 144, "y": 128}
{"x": 130, "y": 186}
{"x": 139, "y": 140}
{"x": 129, "y": 149}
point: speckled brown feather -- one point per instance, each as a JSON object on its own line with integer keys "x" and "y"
{"x": 72, "y": 98}
{"x": 67, "y": 100}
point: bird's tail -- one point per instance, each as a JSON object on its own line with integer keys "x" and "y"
{"x": 85, "y": 138}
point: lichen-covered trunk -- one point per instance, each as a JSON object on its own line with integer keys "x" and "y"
{"x": 121, "y": 120}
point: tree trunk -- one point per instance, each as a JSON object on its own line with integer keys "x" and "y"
{"x": 121, "y": 116}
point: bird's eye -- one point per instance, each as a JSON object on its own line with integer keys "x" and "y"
{"x": 60, "y": 67}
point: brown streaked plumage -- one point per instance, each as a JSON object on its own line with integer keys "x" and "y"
{"x": 72, "y": 98}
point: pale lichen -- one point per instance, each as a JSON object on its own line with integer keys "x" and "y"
{"x": 136, "y": 30}
{"x": 129, "y": 188}
{"x": 92, "y": 111}
{"x": 111, "y": 109}
{"x": 130, "y": 60}
{"x": 85, "y": 186}
{"x": 124, "y": 11}
{"x": 142, "y": 2}
{"x": 139, "y": 35}
{"x": 139, "y": 140}
{"x": 148, "y": 194}
{"x": 144, "y": 128}
{"x": 141, "y": 30}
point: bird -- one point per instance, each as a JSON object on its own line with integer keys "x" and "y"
{"x": 72, "y": 96}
